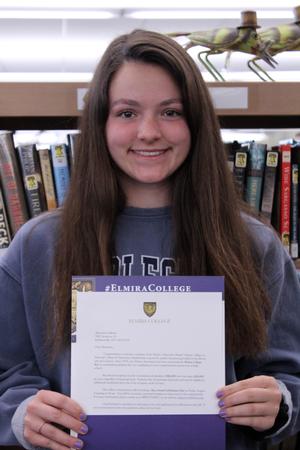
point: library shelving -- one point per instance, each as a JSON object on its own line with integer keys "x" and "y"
{"x": 239, "y": 105}
{"x": 58, "y": 105}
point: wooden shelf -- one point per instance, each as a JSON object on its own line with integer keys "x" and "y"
{"x": 39, "y": 123}
{"x": 256, "y": 121}
{"x": 56, "y": 105}
{"x": 39, "y": 99}
{"x": 264, "y": 99}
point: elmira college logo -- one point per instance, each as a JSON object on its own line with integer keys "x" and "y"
{"x": 149, "y": 308}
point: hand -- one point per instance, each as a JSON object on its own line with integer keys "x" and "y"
{"x": 45, "y": 413}
{"x": 253, "y": 402}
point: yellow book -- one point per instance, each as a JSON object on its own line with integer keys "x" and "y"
{"x": 47, "y": 177}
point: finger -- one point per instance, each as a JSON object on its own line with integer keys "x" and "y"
{"x": 266, "y": 409}
{"x": 39, "y": 440}
{"x": 60, "y": 401}
{"x": 49, "y": 431}
{"x": 33, "y": 422}
{"x": 251, "y": 395}
{"x": 258, "y": 423}
{"x": 58, "y": 436}
{"x": 261, "y": 381}
{"x": 37, "y": 411}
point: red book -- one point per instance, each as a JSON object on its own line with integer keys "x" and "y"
{"x": 285, "y": 195}
{"x": 12, "y": 186}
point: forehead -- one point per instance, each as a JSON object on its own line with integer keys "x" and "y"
{"x": 140, "y": 78}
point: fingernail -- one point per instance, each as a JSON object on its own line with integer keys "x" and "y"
{"x": 82, "y": 417}
{"x": 78, "y": 444}
{"x": 221, "y": 403}
{"x": 219, "y": 394}
{"x": 222, "y": 413}
{"x": 84, "y": 429}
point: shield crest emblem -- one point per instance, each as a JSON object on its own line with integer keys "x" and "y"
{"x": 149, "y": 308}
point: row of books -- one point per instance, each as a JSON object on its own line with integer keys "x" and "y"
{"x": 268, "y": 180}
{"x": 33, "y": 179}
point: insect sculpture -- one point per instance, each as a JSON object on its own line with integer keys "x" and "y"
{"x": 243, "y": 38}
{"x": 283, "y": 38}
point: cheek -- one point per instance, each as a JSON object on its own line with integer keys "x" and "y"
{"x": 187, "y": 137}
{"x": 112, "y": 138}
{"x": 185, "y": 143}
{"x": 118, "y": 138}
{"x": 178, "y": 135}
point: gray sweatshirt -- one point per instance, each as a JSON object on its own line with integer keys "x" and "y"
{"x": 143, "y": 242}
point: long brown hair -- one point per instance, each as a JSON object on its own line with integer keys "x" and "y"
{"x": 211, "y": 237}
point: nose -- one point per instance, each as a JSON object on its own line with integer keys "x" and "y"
{"x": 148, "y": 129}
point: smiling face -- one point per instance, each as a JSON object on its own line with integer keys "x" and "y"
{"x": 147, "y": 134}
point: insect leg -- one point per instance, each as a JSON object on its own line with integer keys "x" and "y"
{"x": 210, "y": 67}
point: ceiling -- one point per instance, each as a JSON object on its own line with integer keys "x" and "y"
{"x": 69, "y": 48}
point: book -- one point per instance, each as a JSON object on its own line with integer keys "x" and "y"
{"x": 296, "y": 160}
{"x": 254, "y": 176}
{"x": 285, "y": 195}
{"x": 32, "y": 178}
{"x": 47, "y": 177}
{"x": 72, "y": 145}
{"x": 230, "y": 149}
{"x": 12, "y": 185}
{"x": 239, "y": 170}
{"x": 275, "y": 219}
{"x": 61, "y": 171}
{"x": 5, "y": 235}
{"x": 269, "y": 183}
{"x": 294, "y": 211}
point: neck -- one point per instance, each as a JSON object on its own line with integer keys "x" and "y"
{"x": 147, "y": 195}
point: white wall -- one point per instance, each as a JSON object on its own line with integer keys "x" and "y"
{"x": 66, "y": 46}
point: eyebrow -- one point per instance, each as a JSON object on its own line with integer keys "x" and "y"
{"x": 130, "y": 102}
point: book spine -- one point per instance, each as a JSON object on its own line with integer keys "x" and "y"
{"x": 228, "y": 146}
{"x": 47, "y": 177}
{"x": 32, "y": 179}
{"x": 12, "y": 185}
{"x": 60, "y": 170}
{"x": 255, "y": 171}
{"x": 239, "y": 171}
{"x": 72, "y": 145}
{"x": 268, "y": 191}
{"x": 285, "y": 195}
{"x": 5, "y": 236}
{"x": 294, "y": 211}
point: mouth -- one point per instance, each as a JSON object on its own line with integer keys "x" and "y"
{"x": 149, "y": 153}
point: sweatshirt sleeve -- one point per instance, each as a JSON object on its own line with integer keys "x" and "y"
{"x": 19, "y": 375}
{"x": 23, "y": 285}
{"x": 282, "y": 357}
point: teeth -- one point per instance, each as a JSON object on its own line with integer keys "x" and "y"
{"x": 148, "y": 153}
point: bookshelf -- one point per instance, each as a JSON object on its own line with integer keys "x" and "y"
{"x": 239, "y": 105}
{"x": 40, "y": 105}
{"x": 58, "y": 105}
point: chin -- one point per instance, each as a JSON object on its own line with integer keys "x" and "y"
{"x": 151, "y": 180}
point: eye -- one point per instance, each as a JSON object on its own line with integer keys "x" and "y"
{"x": 126, "y": 114}
{"x": 172, "y": 113}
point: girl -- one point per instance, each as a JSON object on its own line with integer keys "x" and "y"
{"x": 150, "y": 183}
